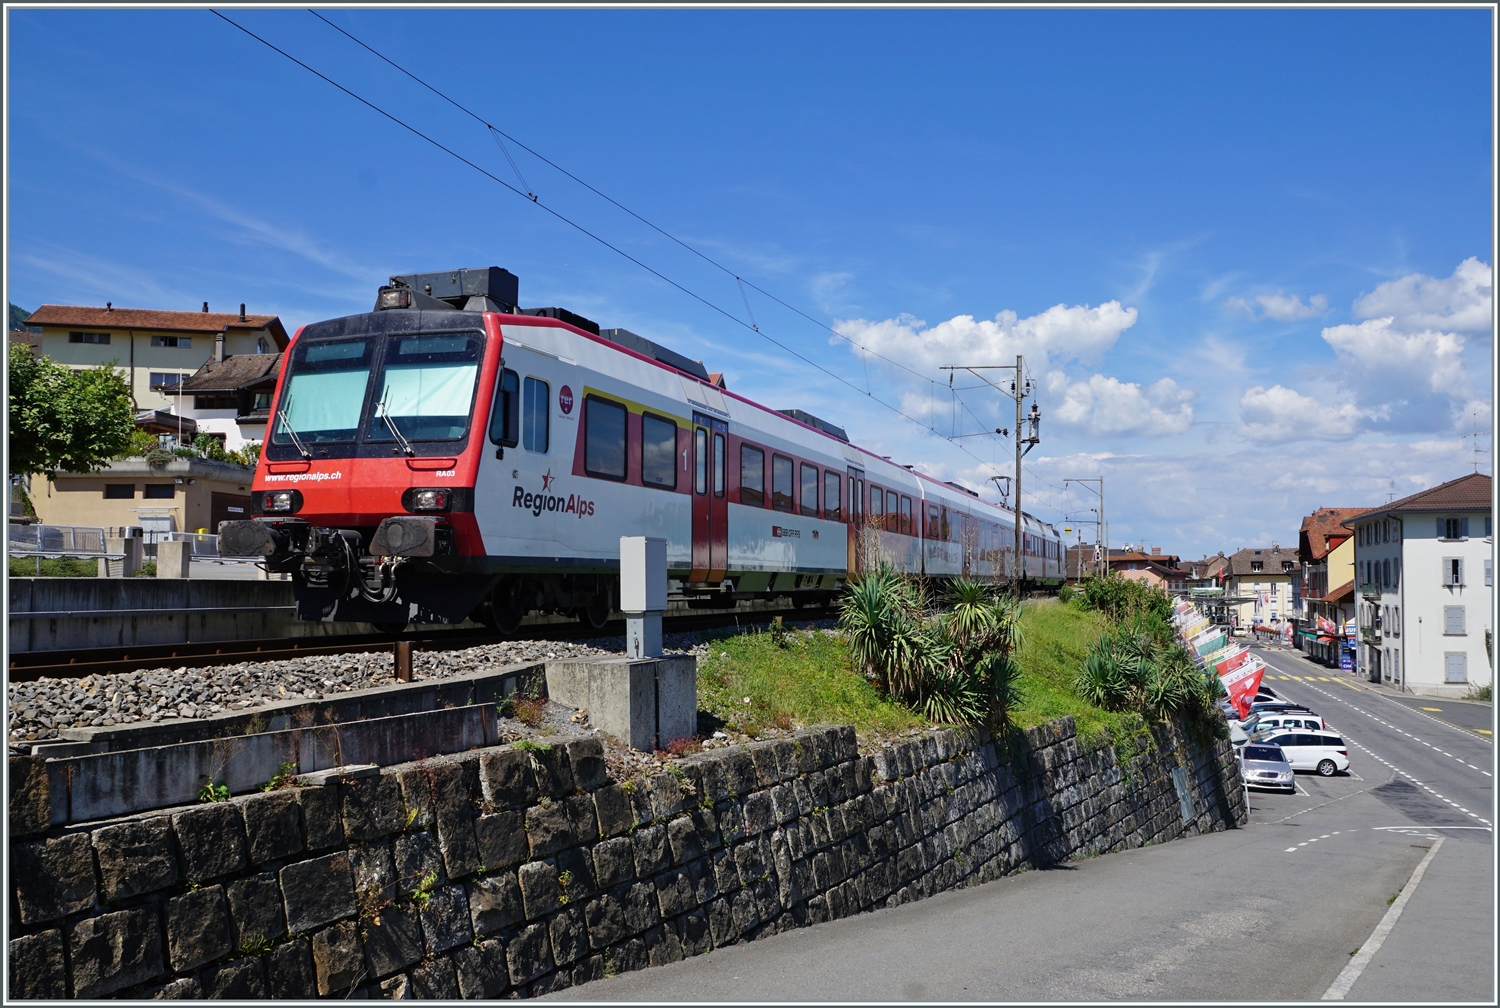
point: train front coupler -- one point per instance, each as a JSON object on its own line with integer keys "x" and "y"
{"x": 336, "y": 576}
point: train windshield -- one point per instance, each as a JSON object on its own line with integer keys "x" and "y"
{"x": 427, "y": 388}
{"x": 325, "y": 392}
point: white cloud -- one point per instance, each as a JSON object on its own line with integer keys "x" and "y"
{"x": 1289, "y": 307}
{"x": 1059, "y": 333}
{"x": 1106, "y": 405}
{"x": 1377, "y": 353}
{"x": 1462, "y": 301}
{"x": 1280, "y": 306}
{"x": 1277, "y": 414}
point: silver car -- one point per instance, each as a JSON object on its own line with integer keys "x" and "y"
{"x": 1266, "y": 766}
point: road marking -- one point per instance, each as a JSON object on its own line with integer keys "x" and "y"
{"x": 1324, "y": 678}
{"x": 1340, "y": 987}
{"x": 1432, "y": 708}
{"x": 1487, "y": 829}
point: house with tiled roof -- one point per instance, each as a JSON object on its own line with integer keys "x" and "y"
{"x": 231, "y": 398}
{"x": 1325, "y": 550}
{"x": 155, "y": 349}
{"x": 1158, "y": 569}
{"x": 1424, "y": 566}
{"x": 1267, "y": 581}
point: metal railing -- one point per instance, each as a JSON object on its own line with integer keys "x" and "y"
{"x": 57, "y": 540}
{"x": 204, "y": 544}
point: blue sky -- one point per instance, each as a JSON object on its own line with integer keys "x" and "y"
{"x": 1247, "y": 254}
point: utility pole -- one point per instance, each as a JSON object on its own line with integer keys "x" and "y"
{"x": 1020, "y": 388}
{"x": 1103, "y": 522}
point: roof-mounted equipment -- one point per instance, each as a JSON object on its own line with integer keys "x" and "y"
{"x": 962, "y": 489}
{"x": 563, "y": 315}
{"x": 487, "y": 289}
{"x": 655, "y": 351}
{"x": 812, "y": 421}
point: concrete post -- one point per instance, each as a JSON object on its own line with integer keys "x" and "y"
{"x": 173, "y": 559}
{"x": 643, "y": 593}
{"x": 132, "y": 548}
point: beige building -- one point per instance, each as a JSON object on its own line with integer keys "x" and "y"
{"x": 156, "y": 350}
{"x": 1269, "y": 579}
{"x": 1325, "y": 549}
{"x": 185, "y": 495}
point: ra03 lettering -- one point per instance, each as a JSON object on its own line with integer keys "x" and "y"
{"x": 537, "y": 503}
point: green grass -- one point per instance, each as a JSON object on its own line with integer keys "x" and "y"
{"x": 811, "y": 681}
{"x": 1058, "y": 637}
{"x": 57, "y": 567}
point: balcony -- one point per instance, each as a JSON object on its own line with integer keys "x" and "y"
{"x": 1370, "y": 591}
{"x": 1370, "y": 635}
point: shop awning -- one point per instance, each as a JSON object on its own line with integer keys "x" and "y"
{"x": 1325, "y": 639}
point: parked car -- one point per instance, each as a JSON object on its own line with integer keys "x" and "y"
{"x": 1322, "y": 751}
{"x": 1270, "y": 722}
{"x": 1279, "y": 707}
{"x": 1266, "y": 766}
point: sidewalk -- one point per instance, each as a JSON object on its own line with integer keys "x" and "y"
{"x": 1356, "y": 679}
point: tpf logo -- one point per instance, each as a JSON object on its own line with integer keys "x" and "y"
{"x": 565, "y": 400}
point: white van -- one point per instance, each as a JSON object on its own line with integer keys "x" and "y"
{"x": 1301, "y": 720}
{"x": 1322, "y": 751}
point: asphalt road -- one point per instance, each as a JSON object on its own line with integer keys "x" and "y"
{"x": 1273, "y": 911}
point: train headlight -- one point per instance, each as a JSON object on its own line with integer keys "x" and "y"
{"x": 280, "y": 501}
{"x": 393, "y": 297}
{"x": 429, "y": 500}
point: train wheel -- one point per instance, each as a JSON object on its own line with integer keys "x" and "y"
{"x": 506, "y": 606}
{"x": 596, "y": 613}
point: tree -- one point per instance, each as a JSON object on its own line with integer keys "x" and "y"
{"x": 60, "y": 419}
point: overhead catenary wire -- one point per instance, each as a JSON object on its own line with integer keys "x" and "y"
{"x": 865, "y": 352}
{"x": 605, "y": 196}
{"x": 531, "y": 197}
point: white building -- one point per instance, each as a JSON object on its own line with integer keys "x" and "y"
{"x": 231, "y": 398}
{"x": 1425, "y": 568}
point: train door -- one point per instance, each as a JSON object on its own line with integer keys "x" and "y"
{"x": 710, "y": 501}
{"x": 856, "y": 513}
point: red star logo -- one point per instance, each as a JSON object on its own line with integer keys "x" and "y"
{"x": 547, "y": 479}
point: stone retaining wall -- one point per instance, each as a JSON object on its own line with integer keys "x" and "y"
{"x": 505, "y": 872}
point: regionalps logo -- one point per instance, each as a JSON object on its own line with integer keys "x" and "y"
{"x": 536, "y": 503}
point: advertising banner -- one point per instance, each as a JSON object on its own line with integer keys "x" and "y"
{"x": 1241, "y": 683}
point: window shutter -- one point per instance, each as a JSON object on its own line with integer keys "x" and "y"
{"x": 1453, "y": 620}
{"x": 1442, "y": 529}
{"x": 1489, "y": 573}
{"x": 1457, "y": 669}
{"x": 1464, "y": 527}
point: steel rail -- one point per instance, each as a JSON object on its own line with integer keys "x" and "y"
{"x": 31, "y": 666}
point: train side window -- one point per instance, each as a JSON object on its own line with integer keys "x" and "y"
{"x": 718, "y": 465}
{"x": 752, "y": 475}
{"x": 538, "y": 415}
{"x": 906, "y": 516}
{"x": 700, "y": 460}
{"x": 658, "y": 452}
{"x": 832, "y": 486}
{"x": 505, "y": 417}
{"x": 781, "y": 483}
{"x": 947, "y": 530}
{"x": 809, "y": 489}
{"x": 932, "y": 521}
{"x": 877, "y": 507}
{"x": 892, "y": 511}
{"x": 604, "y": 438}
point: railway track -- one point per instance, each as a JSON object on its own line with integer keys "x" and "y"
{"x": 32, "y": 666}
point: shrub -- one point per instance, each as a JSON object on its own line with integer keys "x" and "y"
{"x": 952, "y": 667}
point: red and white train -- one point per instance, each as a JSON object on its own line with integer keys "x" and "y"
{"x": 450, "y": 455}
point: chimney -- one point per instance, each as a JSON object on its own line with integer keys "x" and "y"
{"x": 1156, "y": 551}
{"x": 242, "y": 311}
{"x": 205, "y": 307}
{"x": 109, "y": 306}
{"x": 219, "y": 345}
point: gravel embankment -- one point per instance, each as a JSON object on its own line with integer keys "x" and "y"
{"x": 38, "y": 709}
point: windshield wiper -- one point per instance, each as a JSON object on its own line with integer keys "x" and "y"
{"x": 386, "y": 416}
{"x": 287, "y": 425}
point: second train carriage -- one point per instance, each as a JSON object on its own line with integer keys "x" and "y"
{"x": 450, "y": 455}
